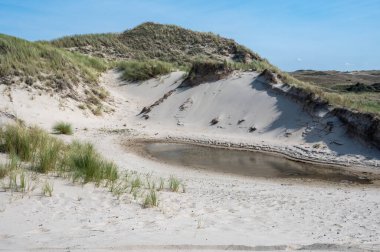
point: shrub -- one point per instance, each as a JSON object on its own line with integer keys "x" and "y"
{"x": 62, "y": 128}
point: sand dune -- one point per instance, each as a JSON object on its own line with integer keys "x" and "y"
{"x": 243, "y": 102}
{"x": 217, "y": 212}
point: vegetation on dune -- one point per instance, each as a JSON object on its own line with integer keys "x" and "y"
{"x": 85, "y": 163}
{"x": 150, "y": 41}
{"x": 106, "y": 45}
{"x": 63, "y": 128}
{"x": 175, "y": 44}
{"x": 46, "y": 153}
{"x": 142, "y": 53}
{"x": 21, "y": 141}
{"x": 206, "y": 71}
{"x": 47, "y": 189}
{"x": 43, "y": 66}
{"x": 354, "y": 90}
{"x": 143, "y": 70}
{"x": 34, "y": 150}
{"x": 151, "y": 199}
{"x": 36, "y": 61}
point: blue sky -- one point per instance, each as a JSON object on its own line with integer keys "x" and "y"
{"x": 292, "y": 34}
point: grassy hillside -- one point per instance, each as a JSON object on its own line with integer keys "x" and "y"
{"x": 144, "y": 52}
{"x": 161, "y": 42}
{"x": 169, "y": 43}
{"x": 175, "y": 44}
{"x": 40, "y": 61}
{"x": 359, "y": 90}
{"x": 106, "y": 45}
{"x": 143, "y": 70}
{"x": 45, "y": 67}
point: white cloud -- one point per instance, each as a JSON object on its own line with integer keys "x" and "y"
{"x": 299, "y": 59}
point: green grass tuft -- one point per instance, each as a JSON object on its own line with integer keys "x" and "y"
{"x": 47, "y": 153}
{"x": 174, "y": 184}
{"x": 63, "y": 128}
{"x": 47, "y": 189}
{"x": 84, "y": 163}
{"x": 151, "y": 199}
{"x": 21, "y": 141}
{"x": 143, "y": 70}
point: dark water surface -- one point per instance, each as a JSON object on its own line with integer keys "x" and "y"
{"x": 246, "y": 163}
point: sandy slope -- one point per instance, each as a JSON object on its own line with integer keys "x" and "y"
{"x": 282, "y": 125}
{"x": 217, "y": 212}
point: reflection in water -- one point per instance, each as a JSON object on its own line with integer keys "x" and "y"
{"x": 246, "y": 163}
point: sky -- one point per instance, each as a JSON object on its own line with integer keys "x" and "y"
{"x": 293, "y": 34}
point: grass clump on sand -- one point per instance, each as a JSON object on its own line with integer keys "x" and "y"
{"x": 151, "y": 199}
{"x": 32, "y": 145}
{"x": 10, "y": 166}
{"x": 85, "y": 163}
{"x": 143, "y": 70}
{"x": 63, "y": 128}
{"x": 49, "y": 155}
{"x": 47, "y": 189}
{"x": 21, "y": 141}
{"x": 174, "y": 184}
{"x": 41, "y": 152}
{"x": 46, "y": 153}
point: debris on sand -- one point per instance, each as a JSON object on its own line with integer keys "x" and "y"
{"x": 145, "y": 110}
{"x": 187, "y": 104}
{"x": 252, "y": 129}
{"x": 329, "y": 126}
{"x": 214, "y": 121}
{"x": 240, "y": 121}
